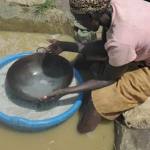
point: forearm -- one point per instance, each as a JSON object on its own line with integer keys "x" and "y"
{"x": 89, "y": 85}
{"x": 72, "y": 46}
{"x": 96, "y": 46}
{"x": 93, "y": 84}
{"x": 93, "y": 50}
{"x": 111, "y": 75}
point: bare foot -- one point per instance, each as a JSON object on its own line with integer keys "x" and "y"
{"x": 89, "y": 120}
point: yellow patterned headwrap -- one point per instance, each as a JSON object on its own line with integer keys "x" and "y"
{"x": 86, "y": 6}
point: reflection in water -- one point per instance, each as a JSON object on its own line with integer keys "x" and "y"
{"x": 62, "y": 137}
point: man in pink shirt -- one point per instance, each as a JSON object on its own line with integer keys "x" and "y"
{"x": 123, "y": 82}
{"x": 127, "y": 37}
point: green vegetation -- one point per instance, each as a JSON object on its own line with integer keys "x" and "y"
{"x": 40, "y": 9}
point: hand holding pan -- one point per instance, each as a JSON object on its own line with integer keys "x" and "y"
{"x": 86, "y": 86}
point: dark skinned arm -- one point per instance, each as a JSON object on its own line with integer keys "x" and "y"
{"x": 93, "y": 50}
{"x": 110, "y": 75}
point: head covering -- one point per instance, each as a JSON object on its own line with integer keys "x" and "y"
{"x": 88, "y": 6}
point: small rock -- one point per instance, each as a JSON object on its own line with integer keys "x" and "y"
{"x": 138, "y": 117}
{"x": 131, "y": 139}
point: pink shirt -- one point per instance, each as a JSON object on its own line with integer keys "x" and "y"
{"x": 128, "y": 38}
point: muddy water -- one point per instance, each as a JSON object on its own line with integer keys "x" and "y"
{"x": 62, "y": 137}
